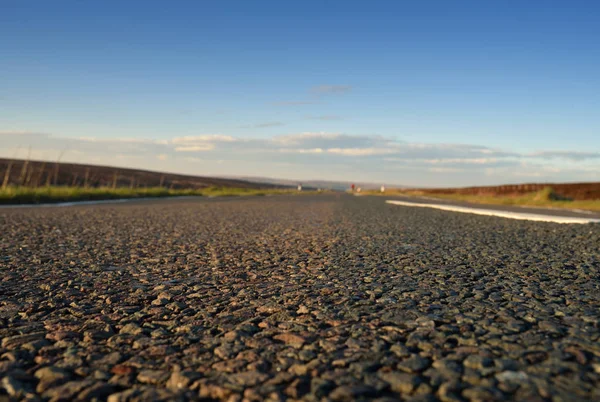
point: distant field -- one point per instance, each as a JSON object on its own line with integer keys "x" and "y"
{"x": 547, "y": 196}
{"x": 30, "y": 182}
{"x": 572, "y": 191}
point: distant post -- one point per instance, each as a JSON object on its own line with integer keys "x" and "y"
{"x": 299, "y": 187}
{"x": 56, "y": 167}
{"x": 38, "y": 178}
{"x": 23, "y": 176}
{"x": 6, "y": 180}
{"x": 7, "y": 174}
{"x": 29, "y": 175}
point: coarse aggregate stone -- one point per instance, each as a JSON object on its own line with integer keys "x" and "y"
{"x": 329, "y": 298}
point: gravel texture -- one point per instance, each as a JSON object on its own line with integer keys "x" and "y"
{"x": 280, "y": 298}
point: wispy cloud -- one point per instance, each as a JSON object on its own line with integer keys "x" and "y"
{"x": 572, "y": 155}
{"x": 445, "y": 170}
{"x": 265, "y": 125}
{"x": 302, "y": 150}
{"x": 293, "y": 103}
{"x": 195, "y": 148}
{"x": 331, "y": 89}
{"x": 361, "y": 151}
{"x": 296, "y": 139}
{"x": 461, "y": 161}
{"x": 122, "y": 140}
{"x": 317, "y": 92}
{"x": 190, "y": 139}
{"x": 325, "y": 117}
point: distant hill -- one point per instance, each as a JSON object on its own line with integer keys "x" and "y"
{"x": 39, "y": 173}
{"x": 322, "y": 184}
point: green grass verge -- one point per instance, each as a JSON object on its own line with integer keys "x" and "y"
{"x": 53, "y": 194}
{"x": 545, "y": 198}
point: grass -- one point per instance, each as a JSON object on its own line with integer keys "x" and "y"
{"x": 53, "y": 194}
{"x": 545, "y": 198}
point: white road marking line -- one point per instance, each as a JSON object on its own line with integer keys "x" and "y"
{"x": 494, "y": 212}
{"x": 96, "y": 202}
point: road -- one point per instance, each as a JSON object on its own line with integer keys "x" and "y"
{"x": 295, "y": 297}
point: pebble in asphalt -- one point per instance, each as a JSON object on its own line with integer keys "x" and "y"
{"x": 281, "y": 298}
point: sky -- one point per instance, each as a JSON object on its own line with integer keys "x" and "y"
{"x": 427, "y": 93}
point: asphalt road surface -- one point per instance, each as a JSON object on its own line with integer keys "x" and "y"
{"x": 328, "y": 297}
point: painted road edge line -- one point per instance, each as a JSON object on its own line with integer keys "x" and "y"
{"x": 498, "y": 213}
{"x": 98, "y": 202}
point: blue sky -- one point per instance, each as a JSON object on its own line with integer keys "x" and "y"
{"x": 420, "y": 93}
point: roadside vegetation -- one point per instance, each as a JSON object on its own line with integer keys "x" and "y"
{"x": 545, "y": 197}
{"x": 36, "y": 182}
{"x": 53, "y": 194}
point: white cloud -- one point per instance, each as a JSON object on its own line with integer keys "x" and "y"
{"x": 195, "y": 148}
{"x": 325, "y": 154}
{"x": 361, "y": 151}
{"x": 294, "y": 139}
{"x": 202, "y": 138}
{"x": 301, "y": 150}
